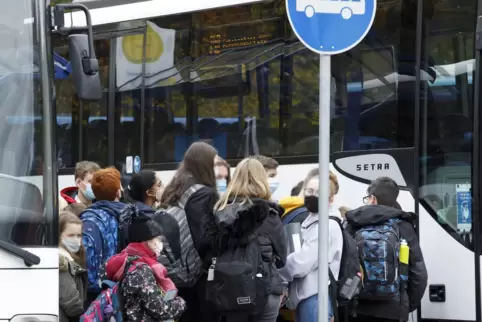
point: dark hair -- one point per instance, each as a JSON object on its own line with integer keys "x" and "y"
{"x": 66, "y": 218}
{"x": 386, "y": 191}
{"x": 139, "y": 184}
{"x": 267, "y": 162}
{"x": 197, "y": 167}
{"x": 297, "y": 189}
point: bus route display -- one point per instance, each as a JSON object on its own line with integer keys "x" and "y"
{"x": 220, "y": 39}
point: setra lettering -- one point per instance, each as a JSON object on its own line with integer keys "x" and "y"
{"x": 372, "y": 166}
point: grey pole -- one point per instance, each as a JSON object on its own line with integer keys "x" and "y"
{"x": 324, "y": 189}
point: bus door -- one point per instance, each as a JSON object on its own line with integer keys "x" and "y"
{"x": 29, "y": 262}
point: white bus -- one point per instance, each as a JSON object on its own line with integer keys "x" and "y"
{"x": 231, "y": 71}
{"x": 345, "y": 8}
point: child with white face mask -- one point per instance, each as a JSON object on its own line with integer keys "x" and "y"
{"x": 149, "y": 295}
{"x": 72, "y": 272}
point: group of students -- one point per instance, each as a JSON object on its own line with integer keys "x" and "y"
{"x": 211, "y": 247}
{"x": 370, "y": 241}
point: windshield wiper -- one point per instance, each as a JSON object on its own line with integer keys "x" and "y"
{"x": 29, "y": 258}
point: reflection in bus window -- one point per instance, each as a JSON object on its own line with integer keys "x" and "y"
{"x": 447, "y": 120}
{"x": 22, "y": 217}
{"x": 239, "y": 79}
{"x": 72, "y": 113}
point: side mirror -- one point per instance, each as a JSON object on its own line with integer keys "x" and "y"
{"x": 85, "y": 68}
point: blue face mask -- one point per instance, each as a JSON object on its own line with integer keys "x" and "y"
{"x": 88, "y": 192}
{"x": 273, "y": 184}
{"x": 221, "y": 185}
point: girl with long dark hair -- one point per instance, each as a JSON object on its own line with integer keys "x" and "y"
{"x": 196, "y": 170}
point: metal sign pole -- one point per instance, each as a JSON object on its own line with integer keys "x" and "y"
{"x": 324, "y": 189}
{"x": 327, "y": 33}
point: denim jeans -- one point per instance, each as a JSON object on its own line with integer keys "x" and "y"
{"x": 307, "y": 310}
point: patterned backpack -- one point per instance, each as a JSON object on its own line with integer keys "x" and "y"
{"x": 109, "y": 245}
{"x": 106, "y": 306}
{"x": 379, "y": 248}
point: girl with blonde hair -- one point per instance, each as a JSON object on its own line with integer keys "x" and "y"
{"x": 245, "y": 212}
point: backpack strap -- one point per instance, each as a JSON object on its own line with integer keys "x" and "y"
{"x": 311, "y": 224}
{"x": 338, "y": 220}
{"x": 188, "y": 193}
{"x": 289, "y": 217}
{"x": 108, "y": 284}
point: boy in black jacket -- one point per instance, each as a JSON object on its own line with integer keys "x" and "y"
{"x": 380, "y": 207}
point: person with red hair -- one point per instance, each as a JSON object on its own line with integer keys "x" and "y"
{"x": 101, "y": 226}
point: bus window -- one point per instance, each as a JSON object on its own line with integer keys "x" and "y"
{"x": 446, "y": 142}
{"x": 74, "y": 115}
{"x": 367, "y": 112}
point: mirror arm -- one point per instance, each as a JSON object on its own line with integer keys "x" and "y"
{"x": 59, "y": 22}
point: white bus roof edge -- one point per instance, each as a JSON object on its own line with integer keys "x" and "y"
{"x": 146, "y": 10}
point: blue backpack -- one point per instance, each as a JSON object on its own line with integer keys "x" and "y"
{"x": 379, "y": 248}
{"x": 111, "y": 232}
{"x": 106, "y": 307}
{"x": 289, "y": 217}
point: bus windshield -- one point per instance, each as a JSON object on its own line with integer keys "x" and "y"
{"x": 22, "y": 219}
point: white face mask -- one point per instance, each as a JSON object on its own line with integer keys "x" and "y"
{"x": 156, "y": 246}
{"x": 71, "y": 244}
{"x": 273, "y": 184}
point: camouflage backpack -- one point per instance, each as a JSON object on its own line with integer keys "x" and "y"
{"x": 379, "y": 248}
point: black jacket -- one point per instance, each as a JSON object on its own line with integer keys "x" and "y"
{"x": 199, "y": 206}
{"x": 262, "y": 218}
{"x": 417, "y": 280}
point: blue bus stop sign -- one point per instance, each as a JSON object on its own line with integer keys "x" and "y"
{"x": 330, "y": 27}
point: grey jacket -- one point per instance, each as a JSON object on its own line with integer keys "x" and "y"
{"x": 72, "y": 287}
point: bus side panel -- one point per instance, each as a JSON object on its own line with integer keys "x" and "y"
{"x": 451, "y": 264}
{"x": 29, "y": 290}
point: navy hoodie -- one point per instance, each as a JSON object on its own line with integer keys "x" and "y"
{"x": 100, "y": 237}
{"x": 417, "y": 280}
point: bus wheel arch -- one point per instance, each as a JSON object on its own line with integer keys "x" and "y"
{"x": 309, "y": 11}
{"x": 346, "y": 13}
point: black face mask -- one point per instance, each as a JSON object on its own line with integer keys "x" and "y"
{"x": 311, "y": 203}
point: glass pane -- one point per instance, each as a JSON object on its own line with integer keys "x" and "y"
{"x": 95, "y": 113}
{"x": 69, "y": 116}
{"x": 447, "y": 116}
{"x": 67, "y": 106}
{"x": 238, "y": 78}
{"x": 127, "y": 125}
{"x": 21, "y": 145}
{"x": 372, "y": 91}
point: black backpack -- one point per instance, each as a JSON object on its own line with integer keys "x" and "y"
{"x": 239, "y": 281}
{"x": 350, "y": 278}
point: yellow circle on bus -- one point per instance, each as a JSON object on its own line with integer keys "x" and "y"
{"x": 132, "y": 47}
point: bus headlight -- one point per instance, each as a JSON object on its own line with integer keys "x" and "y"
{"x": 35, "y": 318}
